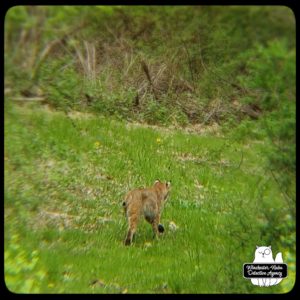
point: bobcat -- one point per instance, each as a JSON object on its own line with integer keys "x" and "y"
{"x": 148, "y": 202}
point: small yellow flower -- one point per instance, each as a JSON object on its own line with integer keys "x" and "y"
{"x": 158, "y": 141}
{"x": 97, "y": 145}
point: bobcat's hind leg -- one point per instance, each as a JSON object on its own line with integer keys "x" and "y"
{"x": 155, "y": 227}
{"x": 131, "y": 230}
{"x": 151, "y": 220}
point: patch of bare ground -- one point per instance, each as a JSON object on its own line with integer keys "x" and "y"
{"x": 250, "y": 144}
{"x": 56, "y": 219}
{"x": 188, "y": 157}
{"x": 63, "y": 221}
{"x": 80, "y": 115}
{"x": 198, "y": 129}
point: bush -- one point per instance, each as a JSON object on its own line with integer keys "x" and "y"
{"x": 270, "y": 74}
{"x": 62, "y": 84}
{"x": 19, "y": 265}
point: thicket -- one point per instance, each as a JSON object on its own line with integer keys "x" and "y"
{"x": 180, "y": 65}
{"x": 155, "y": 64}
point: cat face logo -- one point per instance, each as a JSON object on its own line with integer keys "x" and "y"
{"x": 264, "y": 254}
{"x": 265, "y": 271}
{"x": 265, "y": 251}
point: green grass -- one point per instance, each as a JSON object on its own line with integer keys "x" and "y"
{"x": 64, "y": 223}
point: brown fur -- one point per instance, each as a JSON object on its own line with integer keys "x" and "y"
{"x": 147, "y": 202}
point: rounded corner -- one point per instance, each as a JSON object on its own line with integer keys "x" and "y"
{"x": 9, "y": 9}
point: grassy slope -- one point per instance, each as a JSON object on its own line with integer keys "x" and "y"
{"x": 63, "y": 196}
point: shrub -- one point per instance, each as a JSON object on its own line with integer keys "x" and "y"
{"x": 19, "y": 265}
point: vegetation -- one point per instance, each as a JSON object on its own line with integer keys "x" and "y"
{"x": 103, "y": 99}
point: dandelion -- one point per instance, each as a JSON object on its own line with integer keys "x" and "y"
{"x": 97, "y": 145}
{"x": 158, "y": 141}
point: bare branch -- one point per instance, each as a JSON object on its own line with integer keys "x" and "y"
{"x": 147, "y": 72}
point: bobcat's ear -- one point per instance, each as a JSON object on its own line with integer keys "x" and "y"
{"x": 156, "y": 181}
{"x": 269, "y": 247}
{"x": 168, "y": 184}
{"x": 257, "y": 247}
